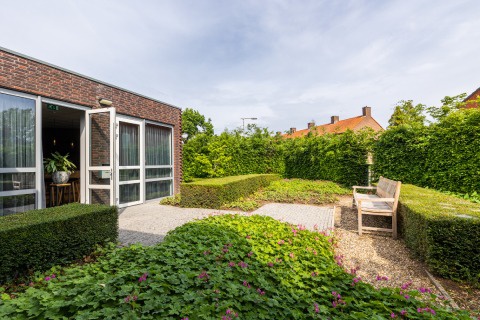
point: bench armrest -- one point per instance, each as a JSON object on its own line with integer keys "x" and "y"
{"x": 364, "y": 188}
{"x": 377, "y": 200}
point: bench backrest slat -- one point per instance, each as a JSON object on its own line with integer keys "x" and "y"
{"x": 387, "y": 188}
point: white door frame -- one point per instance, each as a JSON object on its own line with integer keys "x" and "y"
{"x": 141, "y": 165}
{"x": 110, "y": 169}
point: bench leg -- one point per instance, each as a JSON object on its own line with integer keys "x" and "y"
{"x": 359, "y": 218}
{"x": 394, "y": 225}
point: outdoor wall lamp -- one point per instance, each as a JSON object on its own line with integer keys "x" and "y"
{"x": 105, "y": 102}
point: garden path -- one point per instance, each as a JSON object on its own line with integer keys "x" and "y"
{"x": 149, "y": 223}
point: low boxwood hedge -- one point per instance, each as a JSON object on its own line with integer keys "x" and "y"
{"x": 39, "y": 239}
{"x": 213, "y": 193}
{"x": 442, "y": 230}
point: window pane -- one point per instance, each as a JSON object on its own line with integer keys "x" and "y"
{"x": 17, "y": 181}
{"x": 157, "y": 145}
{"x": 158, "y": 173}
{"x": 17, "y": 132}
{"x": 158, "y": 189}
{"x": 129, "y": 174}
{"x": 101, "y": 177}
{"x": 129, "y": 192}
{"x": 100, "y": 139}
{"x": 16, "y": 204}
{"x": 129, "y": 142}
{"x": 100, "y": 196}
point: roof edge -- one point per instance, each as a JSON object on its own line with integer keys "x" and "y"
{"x": 471, "y": 94}
{"x": 84, "y": 76}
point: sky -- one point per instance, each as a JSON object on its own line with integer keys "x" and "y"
{"x": 283, "y": 62}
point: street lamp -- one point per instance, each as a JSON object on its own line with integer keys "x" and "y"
{"x": 243, "y": 121}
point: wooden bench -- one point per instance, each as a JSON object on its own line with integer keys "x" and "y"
{"x": 383, "y": 203}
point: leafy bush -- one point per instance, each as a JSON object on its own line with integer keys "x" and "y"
{"x": 443, "y": 230}
{"x": 337, "y": 157}
{"x": 39, "y": 239}
{"x": 443, "y": 156}
{"x": 223, "y": 266}
{"x": 292, "y": 191}
{"x": 233, "y": 153}
{"x": 213, "y": 193}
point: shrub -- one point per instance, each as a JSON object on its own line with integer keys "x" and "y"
{"x": 442, "y": 230}
{"x": 39, "y": 239}
{"x": 336, "y": 157}
{"x": 228, "y": 266}
{"x": 443, "y": 155}
{"x": 213, "y": 193}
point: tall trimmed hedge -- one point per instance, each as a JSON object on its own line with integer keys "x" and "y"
{"x": 443, "y": 156}
{"x": 39, "y": 239}
{"x": 442, "y": 230}
{"x": 337, "y": 157}
{"x": 213, "y": 193}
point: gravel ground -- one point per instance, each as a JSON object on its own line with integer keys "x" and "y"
{"x": 380, "y": 255}
{"x": 149, "y": 223}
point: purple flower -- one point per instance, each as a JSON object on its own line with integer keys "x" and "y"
{"x": 127, "y": 299}
{"x": 407, "y": 296}
{"x": 406, "y": 285}
{"x": 250, "y": 254}
{"x": 228, "y": 311}
{"x": 403, "y": 312}
{"x": 270, "y": 264}
{"x": 143, "y": 277}
{"x": 242, "y": 264}
{"x": 48, "y": 278}
{"x": 232, "y": 264}
{"x": 317, "y": 309}
{"x": 53, "y": 276}
{"x": 392, "y": 315}
{"x": 203, "y": 275}
{"x": 334, "y": 304}
{"x": 184, "y": 318}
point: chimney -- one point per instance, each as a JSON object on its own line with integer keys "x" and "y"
{"x": 334, "y": 119}
{"x": 367, "y": 111}
{"x": 311, "y": 124}
{"x": 292, "y": 130}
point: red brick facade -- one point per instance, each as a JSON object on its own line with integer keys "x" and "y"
{"x": 27, "y": 75}
{"x": 471, "y": 100}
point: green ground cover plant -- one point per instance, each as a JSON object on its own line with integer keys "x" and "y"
{"x": 223, "y": 267}
{"x": 213, "y": 193}
{"x": 39, "y": 239}
{"x": 292, "y": 191}
{"x": 442, "y": 230}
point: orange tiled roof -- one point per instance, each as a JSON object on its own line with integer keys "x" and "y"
{"x": 339, "y": 127}
{"x": 470, "y": 100}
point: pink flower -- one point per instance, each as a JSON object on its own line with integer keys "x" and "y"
{"x": 291, "y": 255}
{"x": 250, "y": 254}
{"x": 53, "y": 276}
{"x": 185, "y": 318}
{"x": 246, "y": 284}
{"x": 228, "y": 311}
{"x": 315, "y": 252}
{"x": 203, "y": 275}
{"x": 242, "y": 264}
{"x": 314, "y": 274}
{"x": 406, "y": 285}
{"x": 248, "y": 237}
{"x": 315, "y": 227}
{"x": 143, "y": 277}
{"x": 281, "y": 242}
{"x": 270, "y": 264}
{"x": 403, "y": 312}
{"x": 334, "y": 304}
{"x": 260, "y": 291}
{"x": 127, "y": 299}
{"x": 317, "y": 309}
{"x": 407, "y": 296}
{"x": 232, "y": 264}
{"x": 48, "y": 278}
{"x": 392, "y": 315}
{"x": 424, "y": 290}
{"x": 206, "y": 252}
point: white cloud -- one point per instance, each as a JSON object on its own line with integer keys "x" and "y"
{"x": 285, "y": 62}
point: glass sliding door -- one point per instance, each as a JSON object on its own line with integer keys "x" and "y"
{"x": 18, "y": 191}
{"x": 158, "y": 161}
{"x": 130, "y": 158}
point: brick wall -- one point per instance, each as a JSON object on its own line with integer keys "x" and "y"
{"x": 29, "y": 76}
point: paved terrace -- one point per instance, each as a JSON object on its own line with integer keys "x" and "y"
{"x": 149, "y": 223}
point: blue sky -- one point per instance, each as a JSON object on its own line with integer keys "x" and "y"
{"x": 284, "y": 62}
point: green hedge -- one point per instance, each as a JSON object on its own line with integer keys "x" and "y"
{"x": 449, "y": 244}
{"x": 39, "y": 239}
{"x": 336, "y": 157}
{"x": 213, "y": 193}
{"x": 443, "y": 156}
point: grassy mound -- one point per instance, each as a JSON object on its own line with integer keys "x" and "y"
{"x": 223, "y": 267}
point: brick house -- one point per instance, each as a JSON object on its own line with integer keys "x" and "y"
{"x": 472, "y": 99}
{"x": 339, "y": 126}
{"x": 127, "y": 147}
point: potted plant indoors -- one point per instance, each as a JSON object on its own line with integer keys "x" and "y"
{"x": 60, "y": 167}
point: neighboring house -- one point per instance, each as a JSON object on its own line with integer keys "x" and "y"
{"x": 339, "y": 126}
{"x": 127, "y": 147}
{"x": 472, "y": 100}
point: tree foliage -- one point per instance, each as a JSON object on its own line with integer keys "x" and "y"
{"x": 194, "y": 123}
{"x": 407, "y": 113}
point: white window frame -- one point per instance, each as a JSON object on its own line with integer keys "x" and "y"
{"x": 171, "y": 166}
{"x": 141, "y": 124}
{"x": 38, "y": 156}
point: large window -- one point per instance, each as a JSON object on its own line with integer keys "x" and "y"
{"x": 129, "y": 162}
{"x": 158, "y": 162}
{"x": 17, "y": 154}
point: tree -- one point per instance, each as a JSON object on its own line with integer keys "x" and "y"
{"x": 406, "y": 113}
{"x": 193, "y": 123}
{"x": 449, "y": 104}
